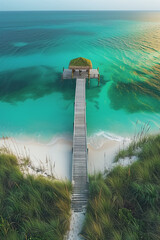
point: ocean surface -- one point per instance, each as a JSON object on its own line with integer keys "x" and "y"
{"x": 34, "y": 48}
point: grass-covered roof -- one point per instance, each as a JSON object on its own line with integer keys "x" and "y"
{"x": 80, "y": 63}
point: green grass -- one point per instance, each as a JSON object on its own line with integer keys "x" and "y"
{"x": 125, "y": 205}
{"x": 82, "y": 62}
{"x": 31, "y": 208}
{"x": 139, "y": 140}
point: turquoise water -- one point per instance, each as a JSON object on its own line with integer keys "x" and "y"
{"x": 34, "y": 48}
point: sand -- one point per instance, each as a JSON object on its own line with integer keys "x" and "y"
{"x": 55, "y": 157}
{"x": 77, "y": 220}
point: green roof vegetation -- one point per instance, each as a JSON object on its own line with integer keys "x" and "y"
{"x": 31, "y": 208}
{"x": 125, "y": 204}
{"x": 80, "y": 62}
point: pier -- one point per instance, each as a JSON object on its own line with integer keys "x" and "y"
{"x": 81, "y": 71}
{"x": 79, "y": 157}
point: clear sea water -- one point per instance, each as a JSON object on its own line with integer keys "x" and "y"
{"x": 34, "y": 48}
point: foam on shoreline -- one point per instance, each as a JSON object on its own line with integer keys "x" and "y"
{"x": 55, "y": 156}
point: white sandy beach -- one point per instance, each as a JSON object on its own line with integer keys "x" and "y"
{"x": 55, "y": 157}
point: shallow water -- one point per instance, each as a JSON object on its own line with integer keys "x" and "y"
{"x": 34, "y": 48}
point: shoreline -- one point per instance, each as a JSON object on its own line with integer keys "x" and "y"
{"x": 55, "y": 156}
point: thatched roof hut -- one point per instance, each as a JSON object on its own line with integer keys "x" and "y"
{"x": 80, "y": 63}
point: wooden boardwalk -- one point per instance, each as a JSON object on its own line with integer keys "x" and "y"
{"x": 80, "y": 155}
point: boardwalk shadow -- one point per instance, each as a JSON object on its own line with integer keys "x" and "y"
{"x": 93, "y": 90}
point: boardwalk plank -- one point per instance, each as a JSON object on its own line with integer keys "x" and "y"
{"x": 79, "y": 158}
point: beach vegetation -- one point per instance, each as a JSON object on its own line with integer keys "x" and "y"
{"x": 125, "y": 203}
{"x": 31, "y": 208}
{"x": 140, "y": 139}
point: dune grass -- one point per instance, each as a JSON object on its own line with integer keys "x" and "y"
{"x": 31, "y": 208}
{"x": 125, "y": 205}
{"x": 137, "y": 143}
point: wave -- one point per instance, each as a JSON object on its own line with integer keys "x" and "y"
{"x": 97, "y": 140}
{"x": 60, "y": 137}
